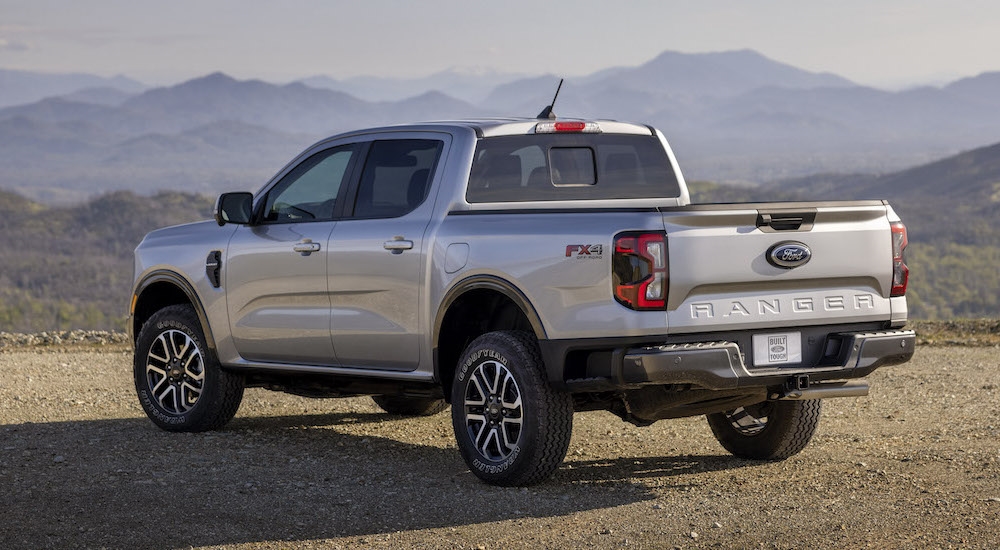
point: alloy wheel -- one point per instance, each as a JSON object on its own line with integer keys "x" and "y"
{"x": 175, "y": 371}
{"x": 493, "y": 410}
{"x": 749, "y": 420}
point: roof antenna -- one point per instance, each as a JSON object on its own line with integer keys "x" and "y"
{"x": 547, "y": 112}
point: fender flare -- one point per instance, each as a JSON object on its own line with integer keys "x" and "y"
{"x": 177, "y": 280}
{"x": 496, "y": 284}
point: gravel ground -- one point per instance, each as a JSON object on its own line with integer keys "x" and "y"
{"x": 914, "y": 465}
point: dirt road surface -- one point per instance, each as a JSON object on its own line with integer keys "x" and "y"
{"x": 914, "y": 465}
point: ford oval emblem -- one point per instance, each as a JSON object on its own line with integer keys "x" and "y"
{"x": 788, "y": 254}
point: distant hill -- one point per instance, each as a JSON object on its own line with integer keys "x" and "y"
{"x": 952, "y": 200}
{"x": 720, "y": 74}
{"x": 470, "y": 86}
{"x": 972, "y": 178}
{"x": 20, "y": 87}
{"x": 68, "y": 162}
{"x": 103, "y": 95}
{"x": 290, "y": 108}
{"x": 81, "y": 277}
{"x": 983, "y": 89}
{"x": 671, "y": 76}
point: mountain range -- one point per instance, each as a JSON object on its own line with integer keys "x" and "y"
{"x": 467, "y": 85}
{"x": 19, "y": 87}
{"x": 732, "y": 116}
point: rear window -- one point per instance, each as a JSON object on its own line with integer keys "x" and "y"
{"x": 558, "y": 167}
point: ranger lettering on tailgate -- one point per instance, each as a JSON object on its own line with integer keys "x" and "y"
{"x": 778, "y": 306}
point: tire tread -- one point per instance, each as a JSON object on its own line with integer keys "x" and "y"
{"x": 790, "y": 428}
{"x": 559, "y": 424}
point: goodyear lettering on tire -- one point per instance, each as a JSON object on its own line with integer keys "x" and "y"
{"x": 475, "y": 358}
{"x": 497, "y": 468}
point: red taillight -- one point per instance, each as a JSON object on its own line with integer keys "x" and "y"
{"x": 900, "y": 273}
{"x": 639, "y": 270}
{"x": 570, "y": 126}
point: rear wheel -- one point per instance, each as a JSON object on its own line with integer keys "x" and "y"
{"x": 410, "y": 406}
{"x": 772, "y": 430}
{"x": 511, "y": 426}
{"x": 179, "y": 381}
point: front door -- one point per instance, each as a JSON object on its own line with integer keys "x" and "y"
{"x": 276, "y": 275}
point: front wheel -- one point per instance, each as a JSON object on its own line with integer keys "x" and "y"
{"x": 511, "y": 426}
{"x": 179, "y": 381}
{"x": 771, "y": 430}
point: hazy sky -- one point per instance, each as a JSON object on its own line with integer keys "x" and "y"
{"x": 886, "y": 43}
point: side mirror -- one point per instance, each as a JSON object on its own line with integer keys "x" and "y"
{"x": 233, "y": 208}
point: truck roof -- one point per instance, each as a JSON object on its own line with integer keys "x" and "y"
{"x": 490, "y": 127}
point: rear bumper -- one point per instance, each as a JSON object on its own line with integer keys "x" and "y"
{"x": 721, "y": 365}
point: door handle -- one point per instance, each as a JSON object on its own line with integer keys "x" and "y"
{"x": 398, "y": 244}
{"x": 306, "y": 247}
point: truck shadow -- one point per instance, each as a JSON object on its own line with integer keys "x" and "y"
{"x": 124, "y": 483}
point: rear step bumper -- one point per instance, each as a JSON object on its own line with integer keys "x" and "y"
{"x": 721, "y": 366}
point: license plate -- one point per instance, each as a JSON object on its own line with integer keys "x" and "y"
{"x": 777, "y": 349}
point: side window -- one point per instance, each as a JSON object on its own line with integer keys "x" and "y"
{"x": 396, "y": 177}
{"x": 309, "y": 192}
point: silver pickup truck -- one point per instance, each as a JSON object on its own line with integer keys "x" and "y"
{"x": 519, "y": 270}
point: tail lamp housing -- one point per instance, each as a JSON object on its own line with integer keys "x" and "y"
{"x": 900, "y": 273}
{"x": 640, "y": 272}
{"x": 567, "y": 126}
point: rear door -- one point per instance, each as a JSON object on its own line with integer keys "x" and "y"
{"x": 378, "y": 253}
{"x": 276, "y": 281}
{"x": 757, "y": 266}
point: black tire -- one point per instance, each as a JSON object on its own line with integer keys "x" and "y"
{"x": 410, "y": 406}
{"x": 177, "y": 377}
{"x": 772, "y": 430}
{"x": 512, "y": 428}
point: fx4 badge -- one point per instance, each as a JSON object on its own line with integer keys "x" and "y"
{"x": 585, "y": 251}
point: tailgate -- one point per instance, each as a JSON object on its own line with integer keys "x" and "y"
{"x": 767, "y": 265}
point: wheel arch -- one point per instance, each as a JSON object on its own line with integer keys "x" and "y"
{"x": 474, "y": 306}
{"x": 160, "y": 289}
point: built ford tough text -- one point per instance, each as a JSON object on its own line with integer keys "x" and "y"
{"x": 519, "y": 270}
